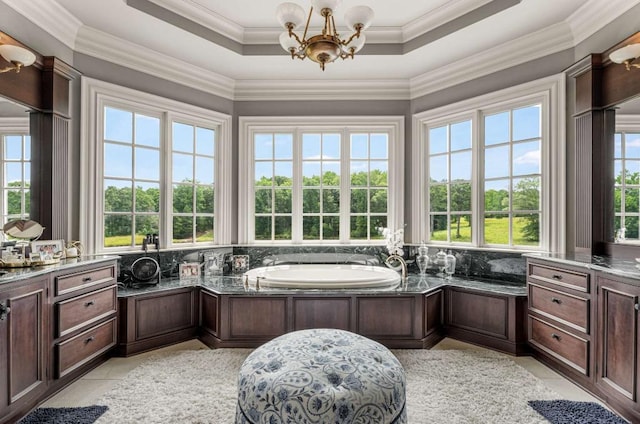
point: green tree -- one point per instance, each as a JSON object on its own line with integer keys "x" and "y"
{"x": 526, "y": 197}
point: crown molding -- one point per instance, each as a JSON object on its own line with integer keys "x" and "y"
{"x": 544, "y": 42}
{"x": 255, "y": 90}
{"x": 49, "y": 16}
{"x": 14, "y": 124}
{"x": 592, "y": 16}
{"x": 99, "y": 44}
{"x": 439, "y": 16}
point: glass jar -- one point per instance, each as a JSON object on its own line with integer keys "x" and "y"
{"x": 422, "y": 259}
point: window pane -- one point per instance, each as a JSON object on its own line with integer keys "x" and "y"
{"x": 632, "y": 145}
{"x": 182, "y": 168}
{"x": 205, "y": 196}
{"x": 526, "y": 194}
{"x": 359, "y": 173}
{"x": 263, "y": 148}
{"x": 461, "y": 136}
{"x": 359, "y": 146}
{"x": 147, "y": 198}
{"x": 526, "y": 123}
{"x": 438, "y": 195}
{"x": 13, "y": 174}
{"x": 632, "y": 171}
{"x": 311, "y": 227}
{"x": 263, "y": 228}
{"x": 147, "y": 165}
{"x": 617, "y": 194}
{"x": 283, "y": 146}
{"x": 379, "y": 174}
{"x": 496, "y": 229}
{"x": 379, "y": 146}
{"x": 146, "y": 224}
{"x": 461, "y": 166}
{"x": 311, "y": 201}
{"x": 331, "y": 146}
{"x": 182, "y": 198}
{"x": 27, "y": 174}
{"x": 183, "y": 229}
{"x": 631, "y": 200}
{"x": 282, "y": 201}
{"x": 438, "y": 171}
{"x": 359, "y": 201}
{"x": 438, "y": 140}
{"x": 27, "y": 147}
{"x": 526, "y": 158}
{"x": 461, "y": 228}
{"x": 204, "y": 228}
{"x": 461, "y": 197}
{"x": 496, "y": 195}
{"x": 205, "y": 141}
{"x": 183, "y": 137}
{"x": 496, "y": 128}
{"x": 264, "y": 173}
{"x": 263, "y": 201}
{"x": 618, "y": 145}
{"x": 311, "y": 147}
{"x": 331, "y": 174}
{"x": 118, "y": 196}
{"x": 204, "y": 170}
{"x": 147, "y": 130}
{"x": 284, "y": 174}
{"x": 282, "y": 228}
{"x": 439, "y": 228}
{"x": 331, "y": 201}
{"x": 378, "y": 200}
{"x": 117, "y": 230}
{"x": 117, "y": 160}
{"x": 13, "y": 147}
{"x": 13, "y": 202}
{"x": 631, "y": 226}
{"x": 377, "y": 222}
{"x": 118, "y": 125}
{"x": 330, "y": 228}
{"x": 526, "y": 229}
{"x": 358, "y": 228}
{"x": 311, "y": 174}
{"x": 496, "y": 162}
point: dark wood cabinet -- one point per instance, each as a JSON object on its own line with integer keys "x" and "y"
{"x": 322, "y": 312}
{"x": 24, "y": 319}
{"x": 485, "y": 318}
{"x": 618, "y": 375}
{"x": 152, "y": 320}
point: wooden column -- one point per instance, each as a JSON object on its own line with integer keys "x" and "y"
{"x": 50, "y": 161}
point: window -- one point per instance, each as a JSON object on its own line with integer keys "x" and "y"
{"x": 323, "y": 180}
{"x": 627, "y": 179}
{"x": 495, "y": 170}
{"x": 154, "y": 170}
{"x": 15, "y": 151}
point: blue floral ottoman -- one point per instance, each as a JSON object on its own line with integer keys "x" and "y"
{"x": 321, "y": 376}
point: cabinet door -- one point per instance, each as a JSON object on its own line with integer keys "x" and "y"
{"x": 22, "y": 342}
{"x": 619, "y": 337}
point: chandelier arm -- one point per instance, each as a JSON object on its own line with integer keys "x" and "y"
{"x": 335, "y": 30}
{"x": 16, "y": 67}
{"x": 356, "y": 34}
{"x": 306, "y": 27}
{"x": 294, "y": 35}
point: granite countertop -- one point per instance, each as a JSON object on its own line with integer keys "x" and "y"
{"x": 604, "y": 264}
{"x": 415, "y": 284}
{"x": 10, "y": 275}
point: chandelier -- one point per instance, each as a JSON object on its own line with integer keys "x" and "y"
{"x": 328, "y": 46}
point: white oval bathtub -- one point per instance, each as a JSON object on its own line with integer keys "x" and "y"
{"x": 323, "y": 276}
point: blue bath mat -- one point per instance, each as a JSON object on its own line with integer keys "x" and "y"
{"x": 570, "y": 412}
{"x": 82, "y": 415}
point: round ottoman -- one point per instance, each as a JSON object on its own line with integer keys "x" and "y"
{"x": 322, "y": 376}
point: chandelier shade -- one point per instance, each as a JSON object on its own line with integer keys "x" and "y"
{"x": 17, "y": 56}
{"x": 626, "y": 55}
{"x": 328, "y": 45}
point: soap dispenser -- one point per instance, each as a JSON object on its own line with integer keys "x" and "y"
{"x": 450, "y": 264}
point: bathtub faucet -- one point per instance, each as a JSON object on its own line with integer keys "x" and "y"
{"x": 403, "y": 264}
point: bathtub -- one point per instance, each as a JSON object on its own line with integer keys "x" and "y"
{"x": 323, "y": 276}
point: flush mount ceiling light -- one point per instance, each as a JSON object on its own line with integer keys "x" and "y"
{"x": 328, "y": 46}
{"x": 626, "y": 55}
{"x": 17, "y": 56}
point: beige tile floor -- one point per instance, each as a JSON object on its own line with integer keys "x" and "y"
{"x": 93, "y": 385}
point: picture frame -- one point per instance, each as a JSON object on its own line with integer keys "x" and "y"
{"x": 48, "y": 249}
{"x": 189, "y": 270}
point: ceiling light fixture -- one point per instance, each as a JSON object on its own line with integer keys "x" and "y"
{"x": 328, "y": 46}
{"x": 17, "y": 56}
{"x": 626, "y": 55}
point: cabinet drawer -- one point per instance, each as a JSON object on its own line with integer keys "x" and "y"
{"x": 562, "y": 277}
{"x": 84, "y": 310}
{"x": 564, "y": 346}
{"x": 570, "y": 310}
{"x": 85, "y": 346}
{"x": 72, "y": 282}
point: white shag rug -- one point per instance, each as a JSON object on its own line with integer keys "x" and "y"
{"x": 443, "y": 386}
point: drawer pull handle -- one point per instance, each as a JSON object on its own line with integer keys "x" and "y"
{"x": 4, "y": 311}
{"x": 86, "y": 279}
{"x": 556, "y": 277}
{"x": 556, "y": 300}
{"x": 90, "y": 303}
{"x": 89, "y": 339}
{"x": 555, "y": 336}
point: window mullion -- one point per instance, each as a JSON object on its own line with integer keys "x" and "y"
{"x": 345, "y": 185}
{"x": 166, "y": 186}
{"x": 296, "y": 195}
{"x": 477, "y": 174}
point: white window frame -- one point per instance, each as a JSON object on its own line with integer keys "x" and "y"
{"x": 11, "y": 126}
{"x": 627, "y": 124}
{"x": 98, "y": 94}
{"x": 549, "y": 91}
{"x": 345, "y": 125}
